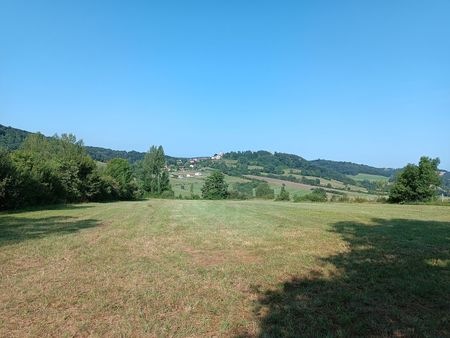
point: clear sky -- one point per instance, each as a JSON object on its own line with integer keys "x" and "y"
{"x": 361, "y": 81}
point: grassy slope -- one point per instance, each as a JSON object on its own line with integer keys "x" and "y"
{"x": 295, "y": 188}
{"x": 368, "y": 177}
{"x": 224, "y": 268}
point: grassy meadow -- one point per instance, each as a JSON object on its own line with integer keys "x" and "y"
{"x": 182, "y": 268}
{"x": 368, "y": 177}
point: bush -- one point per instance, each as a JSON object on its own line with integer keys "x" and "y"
{"x": 237, "y": 195}
{"x": 334, "y": 198}
{"x": 168, "y": 194}
{"x": 120, "y": 170}
{"x": 317, "y": 195}
{"x": 244, "y": 190}
{"x": 359, "y": 199}
{"x": 264, "y": 191}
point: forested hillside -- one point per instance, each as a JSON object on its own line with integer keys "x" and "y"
{"x": 12, "y": 138}
{"x": 349, "y": 168}
{"x": 249, "y": 162}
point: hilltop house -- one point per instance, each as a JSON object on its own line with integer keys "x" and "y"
{"x": 217, "y": 156}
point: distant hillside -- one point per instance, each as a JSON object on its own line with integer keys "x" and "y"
{"x": 446, "y": 181}
{"x": 244, "y": 162}
{"x": 349, "y": 168}
{"x": 12, "y": 138}
{"x": 277, "y": 163}
{"x": 105, "y": 154}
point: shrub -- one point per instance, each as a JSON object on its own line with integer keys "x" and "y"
{"x": 317, "y": 195}
{"x": 168, "y": 194}
{"x": 264, "y": 191}
{"x": 237, "y": 195}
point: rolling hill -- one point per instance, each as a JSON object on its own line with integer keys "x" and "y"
{"x": 279, "y": 166}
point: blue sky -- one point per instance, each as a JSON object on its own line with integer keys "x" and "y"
{"x": 361, "y": 81}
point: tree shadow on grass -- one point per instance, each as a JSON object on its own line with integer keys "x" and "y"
{"x": 47, "y": 207}
{"x": 14, "y": 229}
{"x": 393, "y": 281}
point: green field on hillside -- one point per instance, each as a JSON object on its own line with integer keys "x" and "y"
{"x": 182, "y": 268}
{"x": 182, "y": 186}
{"x": 301, "y": 189}
{"x": 368, "y": 177}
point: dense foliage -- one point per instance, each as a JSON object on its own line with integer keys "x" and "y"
{"x": 316, "y": 195}
{"x": 215, "y": 187}
{"x": 119, "y": 170}
{"x": 263, "y": 190}
{"x": 242, "y": 190}
{"x": 416, "y": 183}
{"x": 283, "y": 195}
{"x": 155, "y": 178}
{"x": 105, "y": 154}
{"x": 12, "y": 138}
{"x": 251, "y": 189}
{"x": 53, "y": 170}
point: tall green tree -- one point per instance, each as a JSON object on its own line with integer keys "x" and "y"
{"x": 155, "y": 176}
{"x": 215, "y": 187}
{"x": 283, "y": 195}
{"x": 416, "y": 183}
{"x": 120, "y": 171}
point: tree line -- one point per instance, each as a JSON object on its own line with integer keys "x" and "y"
{"x": 47, "y": 170}
{"x": 58, "y": 170}
{"x": 12, "y": 138}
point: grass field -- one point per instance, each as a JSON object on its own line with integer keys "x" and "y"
{"x": 324, "y": 181}
{"x": 368, "y": 177}
{"x": 223, "y": 268}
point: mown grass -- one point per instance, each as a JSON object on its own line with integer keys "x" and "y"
{"x": 225, "y": 268}
{"x": 369, "y": 177}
